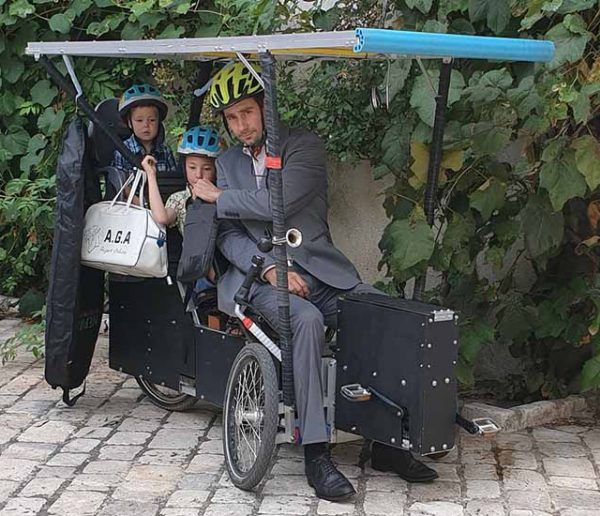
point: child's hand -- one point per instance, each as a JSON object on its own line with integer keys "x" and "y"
{"x": 149, "y": 165}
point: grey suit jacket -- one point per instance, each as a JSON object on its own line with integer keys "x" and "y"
{"x": 245, "y": 212}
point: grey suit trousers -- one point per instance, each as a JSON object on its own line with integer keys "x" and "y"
{"x": 308, "y": 318}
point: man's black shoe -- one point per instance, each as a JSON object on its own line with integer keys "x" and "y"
{"x": 386, "y": 458}
{"x": 326, "y": 480}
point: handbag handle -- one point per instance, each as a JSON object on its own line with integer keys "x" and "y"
{"x": 123, "y": 186}
{"x": 140, "y": 174}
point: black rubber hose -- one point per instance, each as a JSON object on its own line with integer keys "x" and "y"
{"x": 89, "y": 111}
{"x": 275, "y": 179}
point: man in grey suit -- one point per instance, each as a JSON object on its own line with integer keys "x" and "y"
{"x": 318, "y": 271}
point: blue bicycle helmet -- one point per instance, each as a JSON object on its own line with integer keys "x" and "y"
{"x": 142, "y": 94}
{"x": 202, "y": 139}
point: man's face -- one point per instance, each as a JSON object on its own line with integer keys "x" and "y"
{"x": 244, "y": 120}
{"x": 199, "y": 167}
{"x": 144, "y": 122}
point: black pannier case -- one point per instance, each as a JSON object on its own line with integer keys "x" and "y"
{"x": 404, "y": 352}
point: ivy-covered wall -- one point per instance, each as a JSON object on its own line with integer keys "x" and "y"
{"x": 520, "y": 175}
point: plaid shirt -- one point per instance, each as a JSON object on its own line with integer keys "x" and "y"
{"x": 165, "y": 162}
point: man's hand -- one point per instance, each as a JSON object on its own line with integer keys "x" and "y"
{"x": 296, "y": 284}
{"x": 205, "y": 190}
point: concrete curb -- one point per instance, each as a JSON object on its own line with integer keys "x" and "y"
{"x": 538, "y": 413}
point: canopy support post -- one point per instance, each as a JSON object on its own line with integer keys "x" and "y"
{"x": 435, "y": 157}
{"x": 271, "y": 120}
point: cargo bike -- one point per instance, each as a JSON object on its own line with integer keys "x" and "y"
{"x": 388, "y": 370}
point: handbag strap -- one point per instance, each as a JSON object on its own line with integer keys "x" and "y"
{"x": 139, "y": 175}
{"x": 125, "y": 184}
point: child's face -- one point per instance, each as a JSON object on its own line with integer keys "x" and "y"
{"x": 144, "y": 122}
{"x": 199, "y": 167}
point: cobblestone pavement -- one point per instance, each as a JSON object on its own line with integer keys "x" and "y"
{"x": 115, "y": 454}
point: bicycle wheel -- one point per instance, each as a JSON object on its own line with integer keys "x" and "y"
{"x": 250, "y": 416}
{"x": 164, "y": 397}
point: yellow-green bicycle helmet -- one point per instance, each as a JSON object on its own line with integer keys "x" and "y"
{"x": 231, "y": 84}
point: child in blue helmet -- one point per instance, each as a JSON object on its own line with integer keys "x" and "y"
{"x": 199, "y": 148}
{"x": 143, "y": 109}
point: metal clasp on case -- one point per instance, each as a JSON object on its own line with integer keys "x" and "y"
{"x": 355, "y": 392}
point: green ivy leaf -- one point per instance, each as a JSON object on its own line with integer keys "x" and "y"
{"x": 488, "y": 198}
{"x": 571, "y": 6}
{"x": 395, "y": 145}
{"x": 459, "y": 231}
{"x": 581, "y": 106}
{"x": 587, "y": 158}
{"x": 326, "y": 20}
{"x": 172, "y": 32}
{"x": 542, "y": 228}
{"x": 516, "y": 322}
{"x": 21, "y": 8}
{"x": 474, "y": 336}
{"x": 139, "y": 8}
{"x": 399, "y": 70}
{"x": 11, "y": 69}
{"x": 489, "y": 86}
{"x": 43, "y": 93}
{"x": 408, "y": 243}
{"x": 497, "y": 14}
{"x": 422, "y": 98}
{"x": 550, "y": 322}
{"x": 569, "y": 46}
{"x": 60, "y": 23}
{"x": 16, "y": 141}
{"x": 562, "y": 180}
{"x": 422, "y": 5}
{"x": 590, "y": 374}
{"x": 34, "y": 156}
{"x": 487, "y": 138}
{"x": 575, "y": 24}
{"x": 50, "y": 120}
{"x": 554, "y": 148}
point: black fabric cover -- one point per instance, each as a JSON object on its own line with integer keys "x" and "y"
{"x": 199, "y": 241}
{"x": 75, "y": 295}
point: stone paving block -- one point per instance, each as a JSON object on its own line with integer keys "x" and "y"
{"x": 42, "y": 392}
{"x": 66, "y": 414}
{"x": 42, "y": 487}
{"x": 56, "y": 472}
{"x": 475, "y": 442}
{"x": 174, "y": 439}
{"x": 288, "y": 485}
{"x": 335, "y": 509}
{"x": 199, "y": 481}
{"x": 193, "y": 420}
{"x": 351, "y": 472}
{"x": 520, "y": 479}
{"x": 147, "y": 411}
{"x": 234, "y": 495}
{"x": 6, "y": 434}
{"x": 7, "y": 401}
{"x": 132, "y": 424}
{"x": 228, "y": 509}
{"x": 16, "y": 469}
{"x": 128, "y": 438}
{"x": 572, "y": 429}
{"x": 215, "y": 447}
{"x": 389, "y": 504}
{"x": 390, "y": 484}
{"x": 143, "y": 490}
{"x": 103, "y": 418}
{"x": 127, "y": 394}
{"x": 447, "y": 472}
{"x": 576, "y": 499}
{"x": 483, "y": 489}
{"x": 288, "y": 467}
{"x": 478, "y": 457}
{"x": 94, "y": 432}
{"x": 176, "y": 511}
{"x": 77, "y": 503}
{"x": 20, "y": 385}
{"x": 342, "y": 454}
{"x": 127, "y": 508}
{"x": 106, "y": 467}
{"x": 7, "y": 488}
{"x": 18, "y": 421}
{"x": 21, "y": 506}
{"x": 206, "y": 464}
{"x": 517, "y": 441}
{"x": 80, "y": 445}
{"x": 118, "y": 452}
{"x": 164, "y": 457}
{"x": 574, "y": 483}
{"x": 436, "y": 490}
{"x": 579, "y": 512}
{"x": 292, "y": 451}
{"x": 579, "y": 467}
{"x": 435, "y": 509}
{"x": 215, "y": 432}
{"x": 484, "y": 508}
{"x": 549, "y": 434}
{"x": 592, "y": 438}
{"x": 102, "y": 483}
{"x": 530, "y": 500}
{"x": 154, "y": 472}
{"x": 68, "y": 459}
{"x": 285, "y": 505}
{"x": 187, "y": 498}
{"x": 552, "y": 449}
{"x": 480, "y": 472}
{"x": 517, "y": 459}
{"x": 525, "y": 512}
{"x": 48, "y": 432}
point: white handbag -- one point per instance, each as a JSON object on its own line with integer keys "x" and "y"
{"x": 123, "y": 238}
